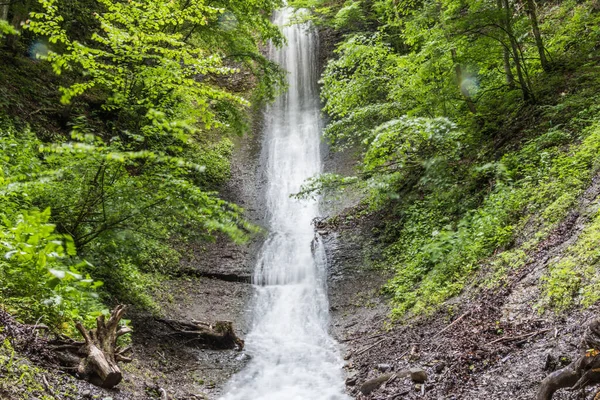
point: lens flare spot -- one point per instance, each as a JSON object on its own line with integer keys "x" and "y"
{"x": 38, "y": 50}
{"x": 470, "y": 85}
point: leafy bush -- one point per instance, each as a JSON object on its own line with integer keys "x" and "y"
{"x": 39, "y": 273}
{"x": 473, "y": 121}
{"x": 575, "y": 278}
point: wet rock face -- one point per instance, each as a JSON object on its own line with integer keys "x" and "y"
{"x": 223, "y": 259}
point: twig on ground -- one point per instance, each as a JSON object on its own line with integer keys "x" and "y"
{"x": 163, "y": 394}
{"x": 356, "y": 338}
{"x": 511, "y": 338}
{"x": 457, "y": 320}
{"x": 47, "y": 386}
{"x": 371, "y": 346}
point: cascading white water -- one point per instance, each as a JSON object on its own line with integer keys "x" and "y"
{"x": 293, "y": 356}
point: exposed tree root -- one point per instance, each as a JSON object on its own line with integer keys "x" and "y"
{"x": 580, "y": 373}
{"x": 219, "y": 335}
{"x": 95, "y": 359}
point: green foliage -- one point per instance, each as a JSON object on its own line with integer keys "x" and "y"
{"x": 358, "y": 77}
{"x": 470, "y": 125}
{"x": 572, "y": 29}
{"x": 574, "y": 279}
{"x": 349, "y": 16}
{"x": 155, "y": 73}
{"x": 137, "y": 60}
{"x": 436, "y": 254}
{"x": 435, "y": 257}
{"x": 138, "y": 177}
{"x": 6, "y": 28}
{"x": 40, "y": 274}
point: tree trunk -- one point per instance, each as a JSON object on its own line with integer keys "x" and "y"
{"x": 530, "y": 8}
{"x": 510, "y": 78}
{"x": 527, "y": 93}
{"x": 463, "y": 89}
{"x": 4, "y": 8}
{"x": 96, "y": 358}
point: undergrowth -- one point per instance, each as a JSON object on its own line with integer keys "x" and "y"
{"x": 574, "y": 279}
{"x": 541, "y": 182}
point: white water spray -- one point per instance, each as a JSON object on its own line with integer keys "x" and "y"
{"x": 293, "y": 356}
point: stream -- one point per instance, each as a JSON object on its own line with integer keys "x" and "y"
{"x": 292, "y": 354}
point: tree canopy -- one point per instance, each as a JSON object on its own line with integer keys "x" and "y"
{"x": 149, "y": 109}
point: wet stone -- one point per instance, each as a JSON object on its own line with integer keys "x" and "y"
{"x": 373, "y": 384}
{"x": 384, "y": 367}
{"x": 352, "y": 378}
{"x": 418, "y": 375}
{"x": 439, "y": 367}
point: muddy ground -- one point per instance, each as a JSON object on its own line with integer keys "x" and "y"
{"x": 484, "y": 344}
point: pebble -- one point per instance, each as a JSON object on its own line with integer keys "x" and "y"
{"x": 351, "y": 379}
{"x": 373, "y": 384}
{"x": 439, "y": 367}
{"x": 384, "y": 367}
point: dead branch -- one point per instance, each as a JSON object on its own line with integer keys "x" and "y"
{"x": 360, "y": 337}
{"x": 219, "y": 335}
{"x": 580, "y": 373}
{"x": 371, "y": 346}
{"x": 95, "y": 359}
{"x": 511, "y": 338}
{"x": 457, "y": 320}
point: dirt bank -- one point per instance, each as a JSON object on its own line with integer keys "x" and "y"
{"x": 484, "y": 344}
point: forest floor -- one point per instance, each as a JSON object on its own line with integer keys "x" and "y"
{"x": 488, "y": 343}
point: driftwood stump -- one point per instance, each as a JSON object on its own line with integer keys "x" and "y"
{"x": 580, "y": 373}
{"x": 95, "y": 359}
{"x": 219, "y": 335}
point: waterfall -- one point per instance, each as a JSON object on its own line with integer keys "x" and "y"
{"x": 293, "y": 356}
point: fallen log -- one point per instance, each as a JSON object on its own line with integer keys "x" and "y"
{"x": 95, "y": 358}
{"x": 219, "y": 335}
{"x": 582, "y": 372}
